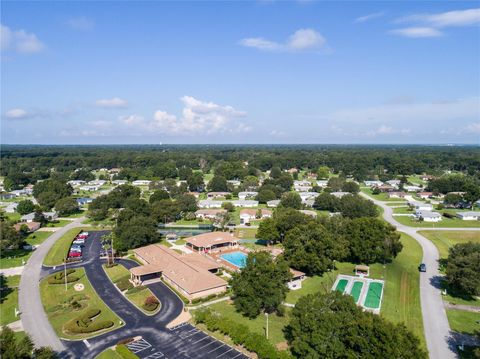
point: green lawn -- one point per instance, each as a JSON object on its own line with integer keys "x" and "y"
{"x": 415, "y": 180}
{"x": 245, "y": 233}
{"x": 193, "y": 222}
{"x": 54, "y": 297}
{"x": 14, "y": 217}
{"x": 462, "y": 321}
{"x": 117, "y": 272}
{"x": 75, "y": 215}
{"x": 8, "y": 301}
{"x": 275, "y": 323}
{"x": 11, "y": 281}
{"x": 400, "y": 202}
{"x": 13, "y": 258}
{"x": 180, "y": 242}
{"x": 109, "y": 354}
{"x": 37, "y": 237}
{"x": 379, "y": 197}
{"x": 59, "y": 223}
{"x": 401, "y": 296}
{"x": 403, "y": 210}
{"x": 59, "y": 250}
{"x": 444, "y": 223}
{"x": 445, "y": 239}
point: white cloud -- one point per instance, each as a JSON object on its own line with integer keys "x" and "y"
{"x": 417, "y": 32}
{"x": 277, "y": 133}
{"x": 300, "y": 40}
{"x": 198, "y": 118}
{"x": 369, "y": 17}
{"x": 19, "y": 41}
{"x": 387, "y": 130}
{"x": 80, "y": 23}
{"x": 16, "y": 113}
{"x": 446, "y": 19}
{"x": 472, "y": 128}
{"x": 112, "y": 103}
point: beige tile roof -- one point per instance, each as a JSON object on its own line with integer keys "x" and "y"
{"x": 210, "y": 211}
{"x": 178, "y": 268}
{"x": 211, "y": 238}
{"x": 253, "y": 212}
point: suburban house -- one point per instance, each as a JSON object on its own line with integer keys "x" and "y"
{"x": 97, "y": 183}
{"x": 296, "y": 281}
{"x": 384, "y": 188}
{"x": 11, "y": 207}
{"x": 322, "y": 183}
{"x": 412, "y": 188}
{"x": 273, "y": 203}
{"x": 394, "y": 183}
{"x": 119, "y": 182}
{"x": 211, "y": 242}
{"x": 468, "y": 216}
{"x": 247, "y": 195}
{"x": 428, "y": 216}
{"x": 339, "y": 194}
{"x": 50, "y": 216}
{"x": 420, "y": 206}
{"x": 427, "y": 177}
{"x": 6, "y": 195}
{"x": 373, "y": 183}
{"x": 76, "y": 183}
{"x": 245, "y": 203}
{"x": 234, "y": 183}
{"x": 218, "y": 194}
{"x": 396, "y": 194}
{"x": 425, "y": 195}
{"x": 301, "y": 183}
{"x": 308, "y": 195}
{"x": 32, "y": 226}
{"x": 209, "y": 213}
{"x": 302, "y": 188}
{"x": 292, "y": 170}
{"x": 19, "y": 192}
{"x": 82, "y": 201}
{"x": 90, "y": 188}
{"x": 141, "y": 182}
{"x": 191, "y": 274}
{"x": 207, "y": 203}
{"x": 247, "y": 215}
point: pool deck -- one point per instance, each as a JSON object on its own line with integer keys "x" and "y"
{"x": 362, "y": 296}
{"x": 216, "y": 256}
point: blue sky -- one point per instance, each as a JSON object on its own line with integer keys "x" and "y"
{"x": 240, "y": 72}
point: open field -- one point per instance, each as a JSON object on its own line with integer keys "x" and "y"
{"x": 462, "y": 321}
{"x": 445, "y": 239}
{"x": 444, "y": 223}
{"x": 55, "y": 301}
{"x": 58, "y": 252}
{"x": 37, "y": 237}
{"x": 58, "y": 223}
{"x": 380, "y": 196}
{"x": 8, "y": 303}
{"x": 13, "y": 258}
{"x": 117, "y": 272}
{"x": 245, "y": 233}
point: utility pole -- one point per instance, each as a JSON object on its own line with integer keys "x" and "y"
{"x": 65, "y": 272}
{"x": 111, "y": 247}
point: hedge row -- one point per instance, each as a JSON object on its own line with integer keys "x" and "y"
{"x": 240, "y": 334}
{"x": 125, "y": 353}
{"x": 85, "y": 324}
{"x": 59, "y": 277}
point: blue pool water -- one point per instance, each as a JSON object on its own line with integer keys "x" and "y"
{"x": 236, "y": 258}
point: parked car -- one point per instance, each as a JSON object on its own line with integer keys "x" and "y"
{"x": 75, "y": 249}
{"x": 422, "y": 267}
{"x": 79, "y": 241}
{"x": 74, "y": 254}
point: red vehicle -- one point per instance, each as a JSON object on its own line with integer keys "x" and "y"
{"x": 74, "y": 254}
{"x": 82, "y": 236}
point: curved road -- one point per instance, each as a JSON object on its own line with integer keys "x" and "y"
{"x": 439, "y": 337}
{"x": 33, "y": 316}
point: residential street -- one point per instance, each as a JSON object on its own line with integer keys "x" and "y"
{"x": 439, "y": 337}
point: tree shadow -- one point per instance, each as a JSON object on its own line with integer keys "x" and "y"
{"x": 5, "y": 290}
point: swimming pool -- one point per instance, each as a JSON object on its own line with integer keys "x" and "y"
{"x": 236, "y": 258}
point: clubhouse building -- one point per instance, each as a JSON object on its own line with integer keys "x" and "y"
{"x": 212, "y": 242}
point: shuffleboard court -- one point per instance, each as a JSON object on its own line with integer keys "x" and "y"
{"x": 356, "y": 290}
{"x": 341, "y": 285}
{"x": 374, "y": 295}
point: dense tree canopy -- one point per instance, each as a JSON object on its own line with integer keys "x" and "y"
{"x": 291, "y": 200}
{"x": 332, "y": 326}
{"x": 66, "y": 206}
{"x": 261, "y": 285}
{"x": 48, "y": 192}
{"x": 26, "y": 206}
{"x": 9, "y": 237}
{"x": 463, "y": 268}
{"x": 217, "y": 184}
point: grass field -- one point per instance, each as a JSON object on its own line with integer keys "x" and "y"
{"x": 258, "y": 325}
{"x": 13, "y": 258}
{"x": 245, "y": 233}
{"x": 37, "y": 237}
{"x": 59, "y": 223}
{"x": 14, "y": 217}
{"x": 444, "y": 223}
{"x": 400, "y": 202}
{"x": 445, "y": 239}
{"x": 54, "y": 297}
{"x": 109, "y": 354}
{"x": 116, "y": 273}
{"x": 401, "y": 297}
{"x": 462, "y": 321}
{"x": 59, "y": 250}
{"x": 8, "y": 303}
{"x": 379, "y": 197}
{"x": 403, "y": 210}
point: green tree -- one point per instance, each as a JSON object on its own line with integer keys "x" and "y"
{"x": 332, "y": 326}
{"x": 312, "y": 249}
{"x": 463, "y": 266}
{"x": 158, "y": 195}
{"x": 66, "y": 206}
{"x": 48, "y": 192}
{"x": 267, "y": 230}
{"x": 261, "y": 285}
{"x": 354, "y": 206}
{"x": 217, "y": 184}
{"x": 266, "y": 195}
{"x": 26, "y": 206}
{"x": 372, "y": 240}
{"x": 323, "y": 172}
{"x": 195, "y": 182}
{"x": 9, "y": 237}
{"x": 327, "y": 202}
{"x": 187, "y": 203}
{"x": 228, "y": 206}
{"x": 335, "y": 183}
{"x": 135, "y": 232}
{"x": 165, "y": 210}
{"x": 350, "y": 186}
{"x": 275, "y": 172}
{"x": 82, "y": 174}
{"x": 12, "y": 348}
{"x": 184, "y": 172}
{"x": 291, "y": 200}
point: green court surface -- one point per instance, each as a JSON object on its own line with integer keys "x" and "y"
{"x": 341, "y": 285}
{"x": 374, "y": 295}
{"x": 356, "y": 290}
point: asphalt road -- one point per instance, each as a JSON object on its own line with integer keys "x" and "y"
{"x": 440, "y": 339}
{"x": 33, "y": 316}
{"x": 157, "y": 341}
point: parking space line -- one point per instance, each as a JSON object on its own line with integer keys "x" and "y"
{"x": 198, "y": 341}
{"x": 211, "y": 351}
{"x": 237, "y": 355}
{"x": 221, "y": 355}
{"x": 192, "y": 335}
{"x": 206, "y": 345}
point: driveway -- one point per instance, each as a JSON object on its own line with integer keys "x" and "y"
{"x": 157, "y": 341}
{"x": 33, "y": 317}
{"x": 439, "y": 337}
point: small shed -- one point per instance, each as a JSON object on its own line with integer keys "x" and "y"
{"x": 362, "y": 271}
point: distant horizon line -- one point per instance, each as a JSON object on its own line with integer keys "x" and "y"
{"x": 445, "y": 144}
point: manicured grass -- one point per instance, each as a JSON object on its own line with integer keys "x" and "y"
{"x": 37, "y": 237}
{"x": 54, "y": 297}
{"x": 11, "y": 281}
{"x": 8, "y": 301}
{"x": 415, "y": 180}
{"x": 75, "y": 215}
{"x": 403, "y": 210}
{"x": 258, "y": 325}
{"x": 59, "y": 223}
{"x": 462, "y": 321}
{"x": 117, "y": 272}
{"x": 180, "y": 242}
{"x": 192, "y": 222}
{"x": 10, "y": 258}
{"x": 58, "y": 252}
{"x": 245, "y": 233}
{"x": 109, "y": 354}
{"x": 444, "y": 223}
{"x": 14, "y": 217}
{"x": 379, "y": 197}
{"x": 445, "y": 239}
{"x": 401, "y": 202}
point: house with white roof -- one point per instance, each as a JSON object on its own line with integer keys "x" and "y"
{"x": 308, "y": 195}
{"x": 420, "y": 206}
{"x": 247, "y": 215}
{"x": 119, "y": 182}
{"x": 97, "y": 183}
{"x": 339, "y": 194}
{"x": 234, "y": 183}
{"x": 76, "y": 183}
{"x": 245, "y": 203}
{"x": 322, "y": 183}
{"x": 247, "y": 195}
{"x": 208, "y": 203}
{"x": 11, "y": 207}
{"x": 373, "y": 183}
{"x": 394, "y": 183}
{"x": 273, "y": 203}
{"x": 89, "y": 188}
{"x": 428, "y": 216}
{"x": 412, "y": 188}
{"x": 468, "y": 216}
{"x": 141, "y": 182}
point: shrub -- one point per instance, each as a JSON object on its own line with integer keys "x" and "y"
{"x": 85, "y": 324}
{"x": 125, "y": 341}
{"x": 110, "y": 265}
{"x": 124, "y": 284}
{"x": 59, "y": 277}
{"x": 124, "y": 352}
{"x": 134, "y": 290}
{"x": 151, "y": 303}
{"x": 448, "y": 215}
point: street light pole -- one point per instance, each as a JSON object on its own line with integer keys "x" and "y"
{"x": 266, "y": 314}
{"x": 65, "y": 272}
